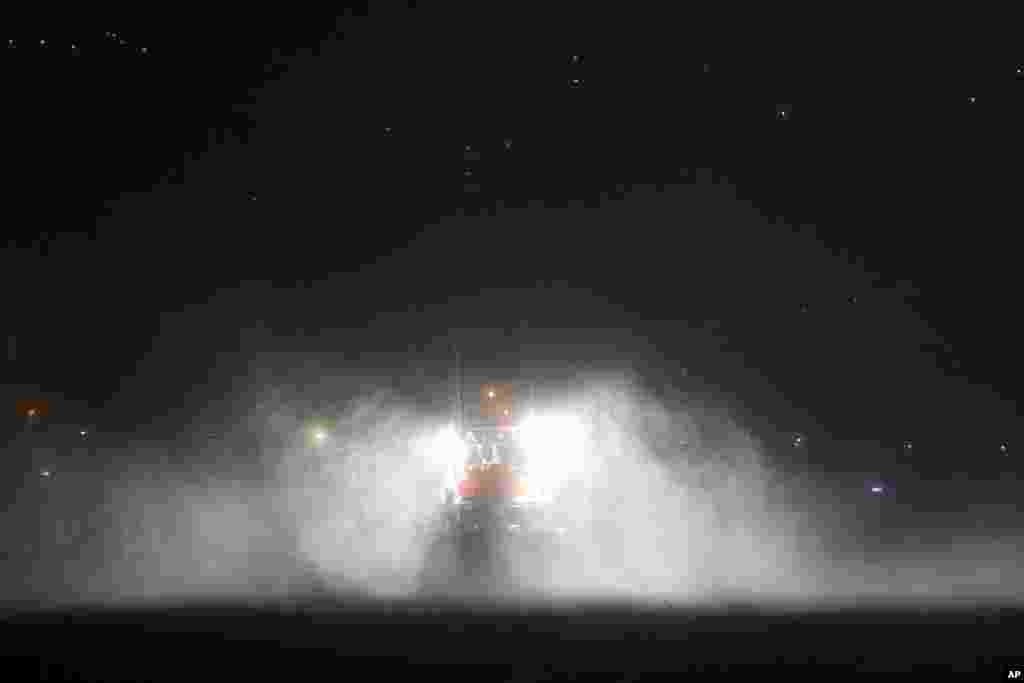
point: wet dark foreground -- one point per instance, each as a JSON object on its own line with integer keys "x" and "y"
{"x": 332, "y": 638}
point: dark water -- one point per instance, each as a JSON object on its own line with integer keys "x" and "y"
{"x": 524, "y": 642}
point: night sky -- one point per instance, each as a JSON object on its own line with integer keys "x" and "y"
{"x": 825, "y": 242}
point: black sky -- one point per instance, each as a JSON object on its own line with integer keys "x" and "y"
{"x": 828, "y": 240}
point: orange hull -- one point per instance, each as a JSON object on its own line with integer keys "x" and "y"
{"x": 491, "y": 481}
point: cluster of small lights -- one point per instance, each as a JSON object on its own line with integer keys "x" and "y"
{"x": 575, "y": 82}
{"x": 799, "y": 440}
{"x": 852, "y": 300}
{"x": 75, "y": 47}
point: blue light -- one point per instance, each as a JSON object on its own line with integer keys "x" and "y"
{"x": 877, "y": 488}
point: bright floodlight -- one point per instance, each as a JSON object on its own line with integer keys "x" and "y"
{"x": 447, "y": 449}
{"x": 554, "y": 451}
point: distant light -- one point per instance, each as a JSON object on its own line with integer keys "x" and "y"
{"x": 320, "y": 435}
{"x": 144, "y": 50}
{"x": 42, "y": 42}
{"x": 45, "y": 473}
{"x": 490, "y": 394}
{"x": 31, "y": 412}
{"x": 971, "y": 100}
{"x": 1003, "y": 449}
{"x": 506, "y": 412}
{"x": 82, "y": 432}
{"x": 876, "y": 489}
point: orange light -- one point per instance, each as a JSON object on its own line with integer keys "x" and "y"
{"x": 31, "y": 408}
{"x": 495, "y": 400}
